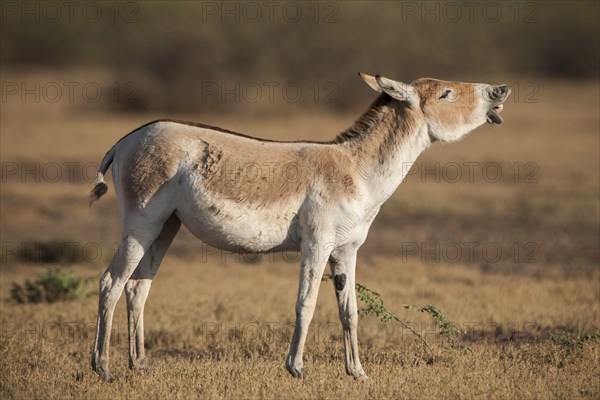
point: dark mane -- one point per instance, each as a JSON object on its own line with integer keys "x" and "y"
{"x": 366, "y": 121}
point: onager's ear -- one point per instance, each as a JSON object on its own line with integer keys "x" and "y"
{"x": 371, "y": 81}
{"x": 398, "y": 90}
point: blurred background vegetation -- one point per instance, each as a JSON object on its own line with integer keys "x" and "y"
{"x": 171, "y": 48}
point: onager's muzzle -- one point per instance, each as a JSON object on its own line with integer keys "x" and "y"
{"x": 496, "y": 95}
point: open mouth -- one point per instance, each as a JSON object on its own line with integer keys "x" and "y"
{"x": 493, "y": 115}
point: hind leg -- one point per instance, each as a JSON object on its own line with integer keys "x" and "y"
{"x": 312, "y": 265}
{"x": 138, "y": 286}
{"x": 343, "y": 267}
{"x": 136, "y": 239}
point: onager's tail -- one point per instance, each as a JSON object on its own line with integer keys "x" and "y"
{"x": 100, "y": 187}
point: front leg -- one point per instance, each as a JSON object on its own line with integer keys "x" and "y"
{"x": 312, "y": 266}
{"x": 343, "y": 267}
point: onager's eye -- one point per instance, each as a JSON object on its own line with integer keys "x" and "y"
{"x": 445, "y": 94}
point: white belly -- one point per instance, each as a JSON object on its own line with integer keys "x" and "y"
{"x": 242, "y": 228}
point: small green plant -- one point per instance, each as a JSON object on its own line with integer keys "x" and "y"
{"x": 573, "y": 344}
{"x": 52, "y": 285}
{"x": 448, "y": 328}
{"x": 492, "y": 388}
{"x": 373, "y": 305}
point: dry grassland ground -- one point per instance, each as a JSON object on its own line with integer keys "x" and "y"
{"x": 218, "y": 326}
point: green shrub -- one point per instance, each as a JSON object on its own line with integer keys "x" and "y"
{"x": 51, "y": 286}
{"x": 573, "y": 344}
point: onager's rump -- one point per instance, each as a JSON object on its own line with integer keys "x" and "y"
{"x": 244, "y": 194}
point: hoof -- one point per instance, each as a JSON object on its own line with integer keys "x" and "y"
{"x": 101, "y": 371}
{"x": 297, "y": 372}
{"x": 362, "y": 378}
{"x": 139, "y": 366}
{"x": 105, "y": 376}
{"x": 358, "y": 374}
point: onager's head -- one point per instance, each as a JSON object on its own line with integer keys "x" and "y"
{"x": 450, "y": 109}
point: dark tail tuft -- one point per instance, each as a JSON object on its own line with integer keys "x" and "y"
{"x": 99, "y": 189}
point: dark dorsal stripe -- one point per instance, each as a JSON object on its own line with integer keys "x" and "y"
{"x": 362, "y": 126}
{"x": 216, "y": 128}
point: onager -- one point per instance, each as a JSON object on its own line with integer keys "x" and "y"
{"x": 316, "y": 197}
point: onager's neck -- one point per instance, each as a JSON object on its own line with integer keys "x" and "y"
{"x": 386, "y": 140}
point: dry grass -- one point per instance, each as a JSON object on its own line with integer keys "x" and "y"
{"x": 212, "y": 333}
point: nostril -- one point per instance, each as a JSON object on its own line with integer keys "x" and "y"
{"x": 498, "y": 92}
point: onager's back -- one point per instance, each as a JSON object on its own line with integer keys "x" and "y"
{"x": 251, "y": 195}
